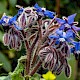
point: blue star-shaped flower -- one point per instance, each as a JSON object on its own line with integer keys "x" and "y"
{"x": 61, "y": 35}
{"x": 46, "y": 13}
{"x": 68, "y": 23}
{"x": 10, "y": 21}
{"x": 13, "y": 19}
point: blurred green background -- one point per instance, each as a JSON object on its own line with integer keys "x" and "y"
{"x": 8, "y": 58}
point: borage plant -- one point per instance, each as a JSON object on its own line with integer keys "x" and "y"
{"x": 48, "y": 41}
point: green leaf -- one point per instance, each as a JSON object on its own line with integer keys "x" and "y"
{"x": 16, "y": 74}
{"x": 17, "y": 77}
{"x": 2, "y": 78}
{"x": 5, "y": 78}
{"x": 5, "y": 62}
{"x": 20, "y": 65}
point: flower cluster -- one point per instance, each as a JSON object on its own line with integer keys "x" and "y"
{"x": 37, "y": 27}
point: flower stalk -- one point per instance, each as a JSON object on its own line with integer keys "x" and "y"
{"x": 37, "y": 66}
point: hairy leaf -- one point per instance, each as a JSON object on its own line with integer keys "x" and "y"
{"x": 17, "y": 73}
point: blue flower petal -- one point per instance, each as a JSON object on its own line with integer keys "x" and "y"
{"x": 49, "y": 13}
{"x": 2, "y": 21}
{"x": 60, "y": 21}
{"x": 4, "y": 17}
{"x": 12, "y": 20}
{"x": 38, "y": 9}
{"x": 72, "y": 50}
{"x": 20, "y": 11}
{"x": 76, "y": 28}
{"x": 62, "y": 27}
{"x": 53, "y": 37}
{"x": 59, "y": 32}
{"x": 57, "y": 42}
{"x": 45, "y": 12}
{"x": 71, "y": 18}
{"x": 70, "y": 34}
{"x": 77, "y": 45}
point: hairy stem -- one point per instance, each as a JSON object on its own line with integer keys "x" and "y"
{"x": 29, "y": 51}
{"x": 27, "y": 47}
{"x": 34, "y": 42}
{"x": 35, "y": 68}
{"x": 28, "y": 57}
{"x": 39, "y": 37}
